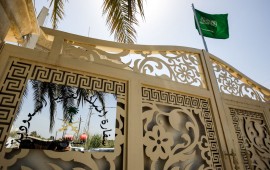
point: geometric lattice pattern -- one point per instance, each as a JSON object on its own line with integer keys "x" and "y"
{"x": 253, "y": 138}
{"x": 179, "y": 132}
{"x": 11, "y": 92}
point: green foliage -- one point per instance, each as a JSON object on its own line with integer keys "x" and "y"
{"x": 35, "y": 134}
{"x": 13, "y": 134}
{"x": 51, "y": 138}
{"x": 110, "y": 144}
{"x": 71, "y": 111}
{"x": 120, "y": 17}
{"x": 52, "y": 94}
{"x": 57, "y": 12}
{"x": 95, "y": 141}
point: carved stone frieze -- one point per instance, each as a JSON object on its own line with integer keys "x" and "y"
{"x": 179, "y": 132}
{"x": 253, "y": 138}
{"x": 178, "y": 66}
{"x": 10, "y": 94}
{"x": 230, "y": 82}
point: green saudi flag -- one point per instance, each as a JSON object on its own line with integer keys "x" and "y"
{"x": 213, "y": 25}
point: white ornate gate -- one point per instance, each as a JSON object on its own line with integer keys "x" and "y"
{"x": 177, "y": 108}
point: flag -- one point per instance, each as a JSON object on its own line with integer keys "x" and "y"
{"x": 213, "y": 25}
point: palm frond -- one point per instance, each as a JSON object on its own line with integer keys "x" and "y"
{"x": 101, "y": 97}
{"x": 51, "y": 96}
{"x": 141, "y": 8}
{"x": 25, "y": 92}
{"x": 39, "y": 94}
{"x": 72, "y": 111}
{"x": 132, "y": 8}
{"x": 57, "y": 12}
{"x": 81, "y": 95}
{"x": 121, "y": 18}
{"x": 67, "y": 96}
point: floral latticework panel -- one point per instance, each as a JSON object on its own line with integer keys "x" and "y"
{"x": 230, "y": 82}
{"x": 253, "y": 138}
{"x": 19, "y": 72}
{"x": 179, "y": 66}
{"x": 179, "y": 132}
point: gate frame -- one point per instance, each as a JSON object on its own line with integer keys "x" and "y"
{"x": 219, "y": 102}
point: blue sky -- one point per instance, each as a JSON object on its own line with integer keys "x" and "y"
{"x": 171, "y": 22}
{"x": 42, "y": 127}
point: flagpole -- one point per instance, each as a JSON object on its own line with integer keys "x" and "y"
{"x": 199, "y": 28}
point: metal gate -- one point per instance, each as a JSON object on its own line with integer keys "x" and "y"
{"x": 177, "y": 107}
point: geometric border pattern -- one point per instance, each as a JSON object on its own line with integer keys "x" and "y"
{"x": 151, "y": 95}
{"x": 238, "y": 116}
{"x": 20, "y": 72}
{"x": 10, "y": 93}
{"x": 235, "y": 118}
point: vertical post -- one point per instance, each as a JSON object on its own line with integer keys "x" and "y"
{"x": 31, "y": 43}
{"x": 80, "y": 121}
{"x": 135, "y": 157}
{"x": 219, "y": 112}
{"x": 56, "y": 50}
{"x": 200, "y": 31}
{"x": 5, "y": 25}
{"x": 55, "y": 138}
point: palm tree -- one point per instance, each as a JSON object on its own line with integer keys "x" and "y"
{"x": 54, "y": 93}
{"x": 66, "y": 96}
{"x": 121, "y": 17}
{"x": 71, "y": 111}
